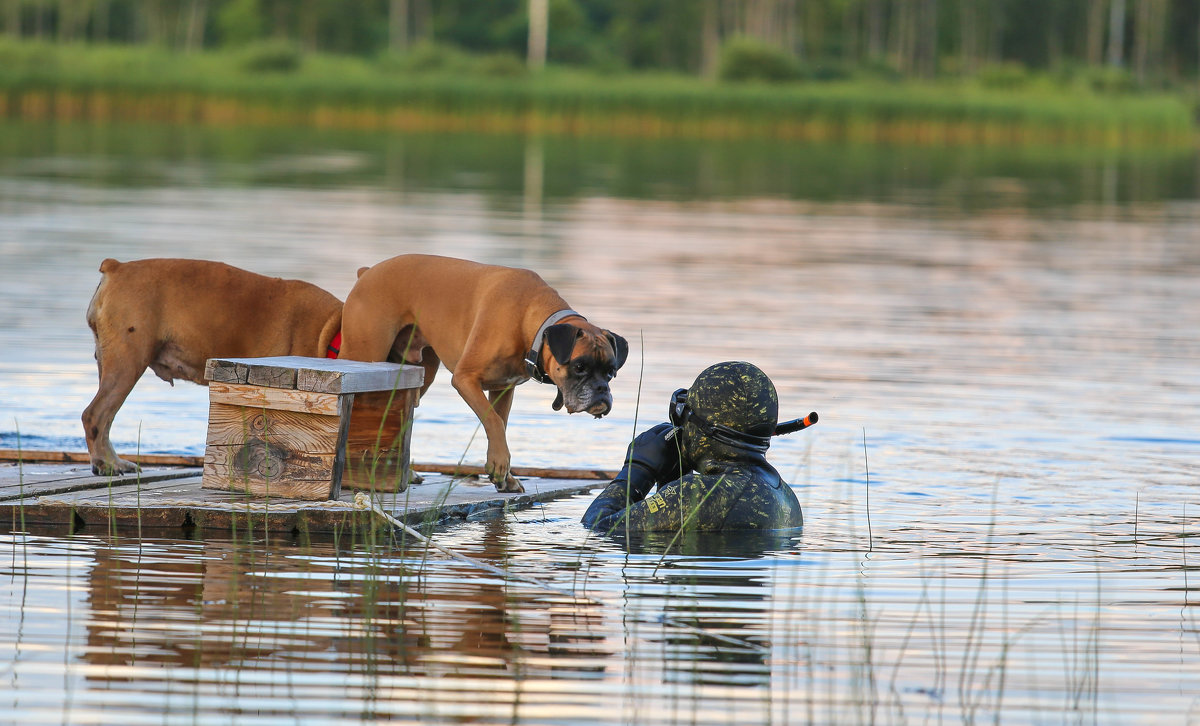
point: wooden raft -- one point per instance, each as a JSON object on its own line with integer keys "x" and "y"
{"x": 51, "y": 498}
{"x": 304, "y": 428}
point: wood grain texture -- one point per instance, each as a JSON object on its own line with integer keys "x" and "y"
{"x": 356, "y": 377}
{"x": 378, "y": 444}
{"x": 293, "y": 431}
{"x": 277, "y": 398}
{"x": 260, "y": 468}
{"x": 271, "y": 376}
{"x": 319, "y": 375}
{"x": 225, "y": 371}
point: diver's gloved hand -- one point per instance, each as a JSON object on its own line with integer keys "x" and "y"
{"x": 651, "y": 459}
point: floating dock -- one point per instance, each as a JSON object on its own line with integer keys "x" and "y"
{"x": 55, "y": 492}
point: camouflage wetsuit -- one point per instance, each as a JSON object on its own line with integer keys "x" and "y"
{"x": 712, "y": 480}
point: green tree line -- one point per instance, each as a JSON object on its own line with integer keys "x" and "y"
{"x": 1146, "y": 42}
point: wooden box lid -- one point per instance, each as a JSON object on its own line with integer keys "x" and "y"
{"x": 318, "y": 375}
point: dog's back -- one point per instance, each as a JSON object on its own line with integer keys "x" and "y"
{"x": 172, "y": 315}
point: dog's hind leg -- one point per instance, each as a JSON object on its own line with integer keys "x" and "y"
{"x": 115, "y": 384}
{"x": 122, "y": 355}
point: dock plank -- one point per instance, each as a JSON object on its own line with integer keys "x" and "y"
{"x": 44, "y": 479}
{"x": 175, "y": 504}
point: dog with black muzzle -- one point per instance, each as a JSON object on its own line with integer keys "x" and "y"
{"x": 492, "y": 327}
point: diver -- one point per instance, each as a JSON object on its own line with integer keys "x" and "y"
{"x": 709, "y": 462}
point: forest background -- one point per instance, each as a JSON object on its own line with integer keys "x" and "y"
{"x": 1102, "y": 71}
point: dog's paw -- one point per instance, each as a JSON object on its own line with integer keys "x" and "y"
{"x": 117, "y": 467}
{"x": 510, "y": 484}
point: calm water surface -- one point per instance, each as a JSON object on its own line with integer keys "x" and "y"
{"x": 1006, "y": 340}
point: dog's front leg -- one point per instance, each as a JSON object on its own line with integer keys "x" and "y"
{"x": 501, "y": 404}
{"x": 493, "y": 418}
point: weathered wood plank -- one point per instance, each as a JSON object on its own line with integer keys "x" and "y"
{"x": 75, "y": 479}
{"x": 184, "y": 506}
{"x": 288, "y": 429}
{"x": 377, "y": 448}
{"x": 537, "y": 472}
{"x": 12, "y": 455}
{"x": 339, "y": 459}
{"x": 82, "y": 457}
{"x": 357, "y": 377}
{"x": 226, "y": 371}
{"x": 271, "y": 376}
{"x": 146, "y": 493}
{"x": 264, "y": 469}
{"x": 319, "y": 375}
{"x": 276, "y": 398}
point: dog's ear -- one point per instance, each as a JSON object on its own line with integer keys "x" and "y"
{"x": 620, "y": 347}
{"x": 361, "y": 270}
{"x": 561, "y": 339}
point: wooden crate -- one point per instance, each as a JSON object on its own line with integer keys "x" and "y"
{"x": 303, "y": 428}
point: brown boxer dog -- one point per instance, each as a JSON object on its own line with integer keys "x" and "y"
{"x": 493, "y": 328}
{"x": 173, "y": 315}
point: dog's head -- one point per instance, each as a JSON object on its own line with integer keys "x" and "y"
{"x": 583, "y": 359}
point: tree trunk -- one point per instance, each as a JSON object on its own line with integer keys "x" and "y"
{"x": 39, "y": 20}
{"x": 539, "y": 31}
{"x": 1095, "y": 33}
{"x": 995, "y": 23}
{"x": 100, "y": 11}
{"x": 1141, "y": 39}
{"x": 902, "y": 38}
{"x": 197, "y": 18}
{"x": 968, "y": 37}
{"x": 874, "y": 29}
{"x": 795, "y": 26}
{"x": 851, "y": 32}
{"x": 65, "y": 26}
{"x": 12, "y": 18}
{"x": 1116, "y": 33}
{"x": 154, "y": 22}
{"x": 929, "y": 39}
{"x": 710, "y": 39}
{"x": 398, "y": 26}
{"x": 282, "y": 16}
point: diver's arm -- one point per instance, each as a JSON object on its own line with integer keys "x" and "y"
{"x": 693, "y": 502}
{"x": 649, "y": 457}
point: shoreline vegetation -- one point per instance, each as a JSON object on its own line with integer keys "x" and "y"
{"x": 275, "y": 84}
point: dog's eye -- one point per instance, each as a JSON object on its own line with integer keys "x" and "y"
{"x": 581, "y": 368}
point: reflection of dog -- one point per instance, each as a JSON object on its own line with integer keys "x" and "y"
{"x": 173, "y": 315}
{"x": 493, "y": 328}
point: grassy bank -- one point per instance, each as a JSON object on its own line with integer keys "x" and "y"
{"x": 267, "y": 86}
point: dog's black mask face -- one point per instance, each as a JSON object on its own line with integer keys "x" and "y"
{"x": 584, "y": 362}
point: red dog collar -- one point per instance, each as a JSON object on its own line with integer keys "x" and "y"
{"x": 335, "y": 346}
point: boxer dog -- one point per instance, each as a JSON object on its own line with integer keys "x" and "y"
{"x": 493, "y": 328}
{"x": 173, "y": 315}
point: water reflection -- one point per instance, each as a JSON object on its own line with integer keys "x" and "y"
{"x": 718, "y": 627}
{"x": 1006, "y": 338}
{"x": 228, "y": 604}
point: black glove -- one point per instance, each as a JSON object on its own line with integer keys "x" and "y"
{"x": 651, "y": 459}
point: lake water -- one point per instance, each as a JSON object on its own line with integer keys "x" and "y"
{"x": 1006, "y": 340}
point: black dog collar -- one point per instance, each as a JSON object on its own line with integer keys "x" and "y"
{"x": 533, "y": 359}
